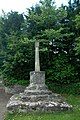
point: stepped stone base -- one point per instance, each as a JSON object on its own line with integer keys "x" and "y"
{"x": 37, "y": 97}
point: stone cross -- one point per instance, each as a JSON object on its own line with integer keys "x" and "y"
{"x": 36, "y": 96}
{"x": 37, "y": 62}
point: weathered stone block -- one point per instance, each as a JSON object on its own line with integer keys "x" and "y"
{"x": 37, "y": 97}
{"x": 37, "y": 77}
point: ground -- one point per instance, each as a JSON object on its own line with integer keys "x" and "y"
{"x": 4, "y": 98}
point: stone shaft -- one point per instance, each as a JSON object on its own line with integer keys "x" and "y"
{"x": 37, "y": 63}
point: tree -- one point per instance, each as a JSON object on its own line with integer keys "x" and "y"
{"x": 10, "y": 36}
{"x": 55, "y": 29}
{"x": 77, "y": 21}
{"x": 47, "y": 24}
{"x": 72, "y": 10}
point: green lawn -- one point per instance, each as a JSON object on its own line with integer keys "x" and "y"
{"x": 69, "y": 115}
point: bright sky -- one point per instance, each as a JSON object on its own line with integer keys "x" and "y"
{"x": 21, "y": 5}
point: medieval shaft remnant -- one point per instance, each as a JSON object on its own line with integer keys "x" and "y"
{"x": 37, "y": 97}
{"x": 37, "y": 63}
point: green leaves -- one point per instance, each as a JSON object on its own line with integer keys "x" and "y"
{"x": 62, "y": 71}
{"x": 77, "y": 42}
{"x": 53, "y": 34}
{"x": 77, "y": 20}
{"x": 77, "y": 48}
{"x": 57, "y": 30}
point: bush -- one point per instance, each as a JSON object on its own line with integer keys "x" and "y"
{"x": 73, "y": 88}
{"x": 61, "y": 71}
{"x": 12, "y": 81}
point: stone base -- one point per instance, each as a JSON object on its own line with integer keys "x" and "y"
{"x": 37, "y": 97}
{"x": 37, "y": 101}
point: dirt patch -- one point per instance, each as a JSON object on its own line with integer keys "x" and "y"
{"x": 4, "y": 98}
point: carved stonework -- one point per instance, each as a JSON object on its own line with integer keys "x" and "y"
{"x": 36, "y": 96}
{"x": 37, "y": 77}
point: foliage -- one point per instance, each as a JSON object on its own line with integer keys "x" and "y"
{"x": 17, "y": 50}
{"x": 72, "y": 88}
{"x": 77, "y": 48}
{"x": 48, "y": 27}
{"x": 18, "y": 62}
{"x": 61, "y": 71}
{"x": 9, "y": 24}
{"x": 58, "y": 31}
{"x": 77, "y": 21}
{"x": 12, "y": 22}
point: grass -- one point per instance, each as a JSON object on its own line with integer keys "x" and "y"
{"x": 68, "y": 115}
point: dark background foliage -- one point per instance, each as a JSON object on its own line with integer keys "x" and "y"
{"x": 58, "y": 31}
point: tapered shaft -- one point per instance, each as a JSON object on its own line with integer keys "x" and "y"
{"x": 37, "y": 62}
